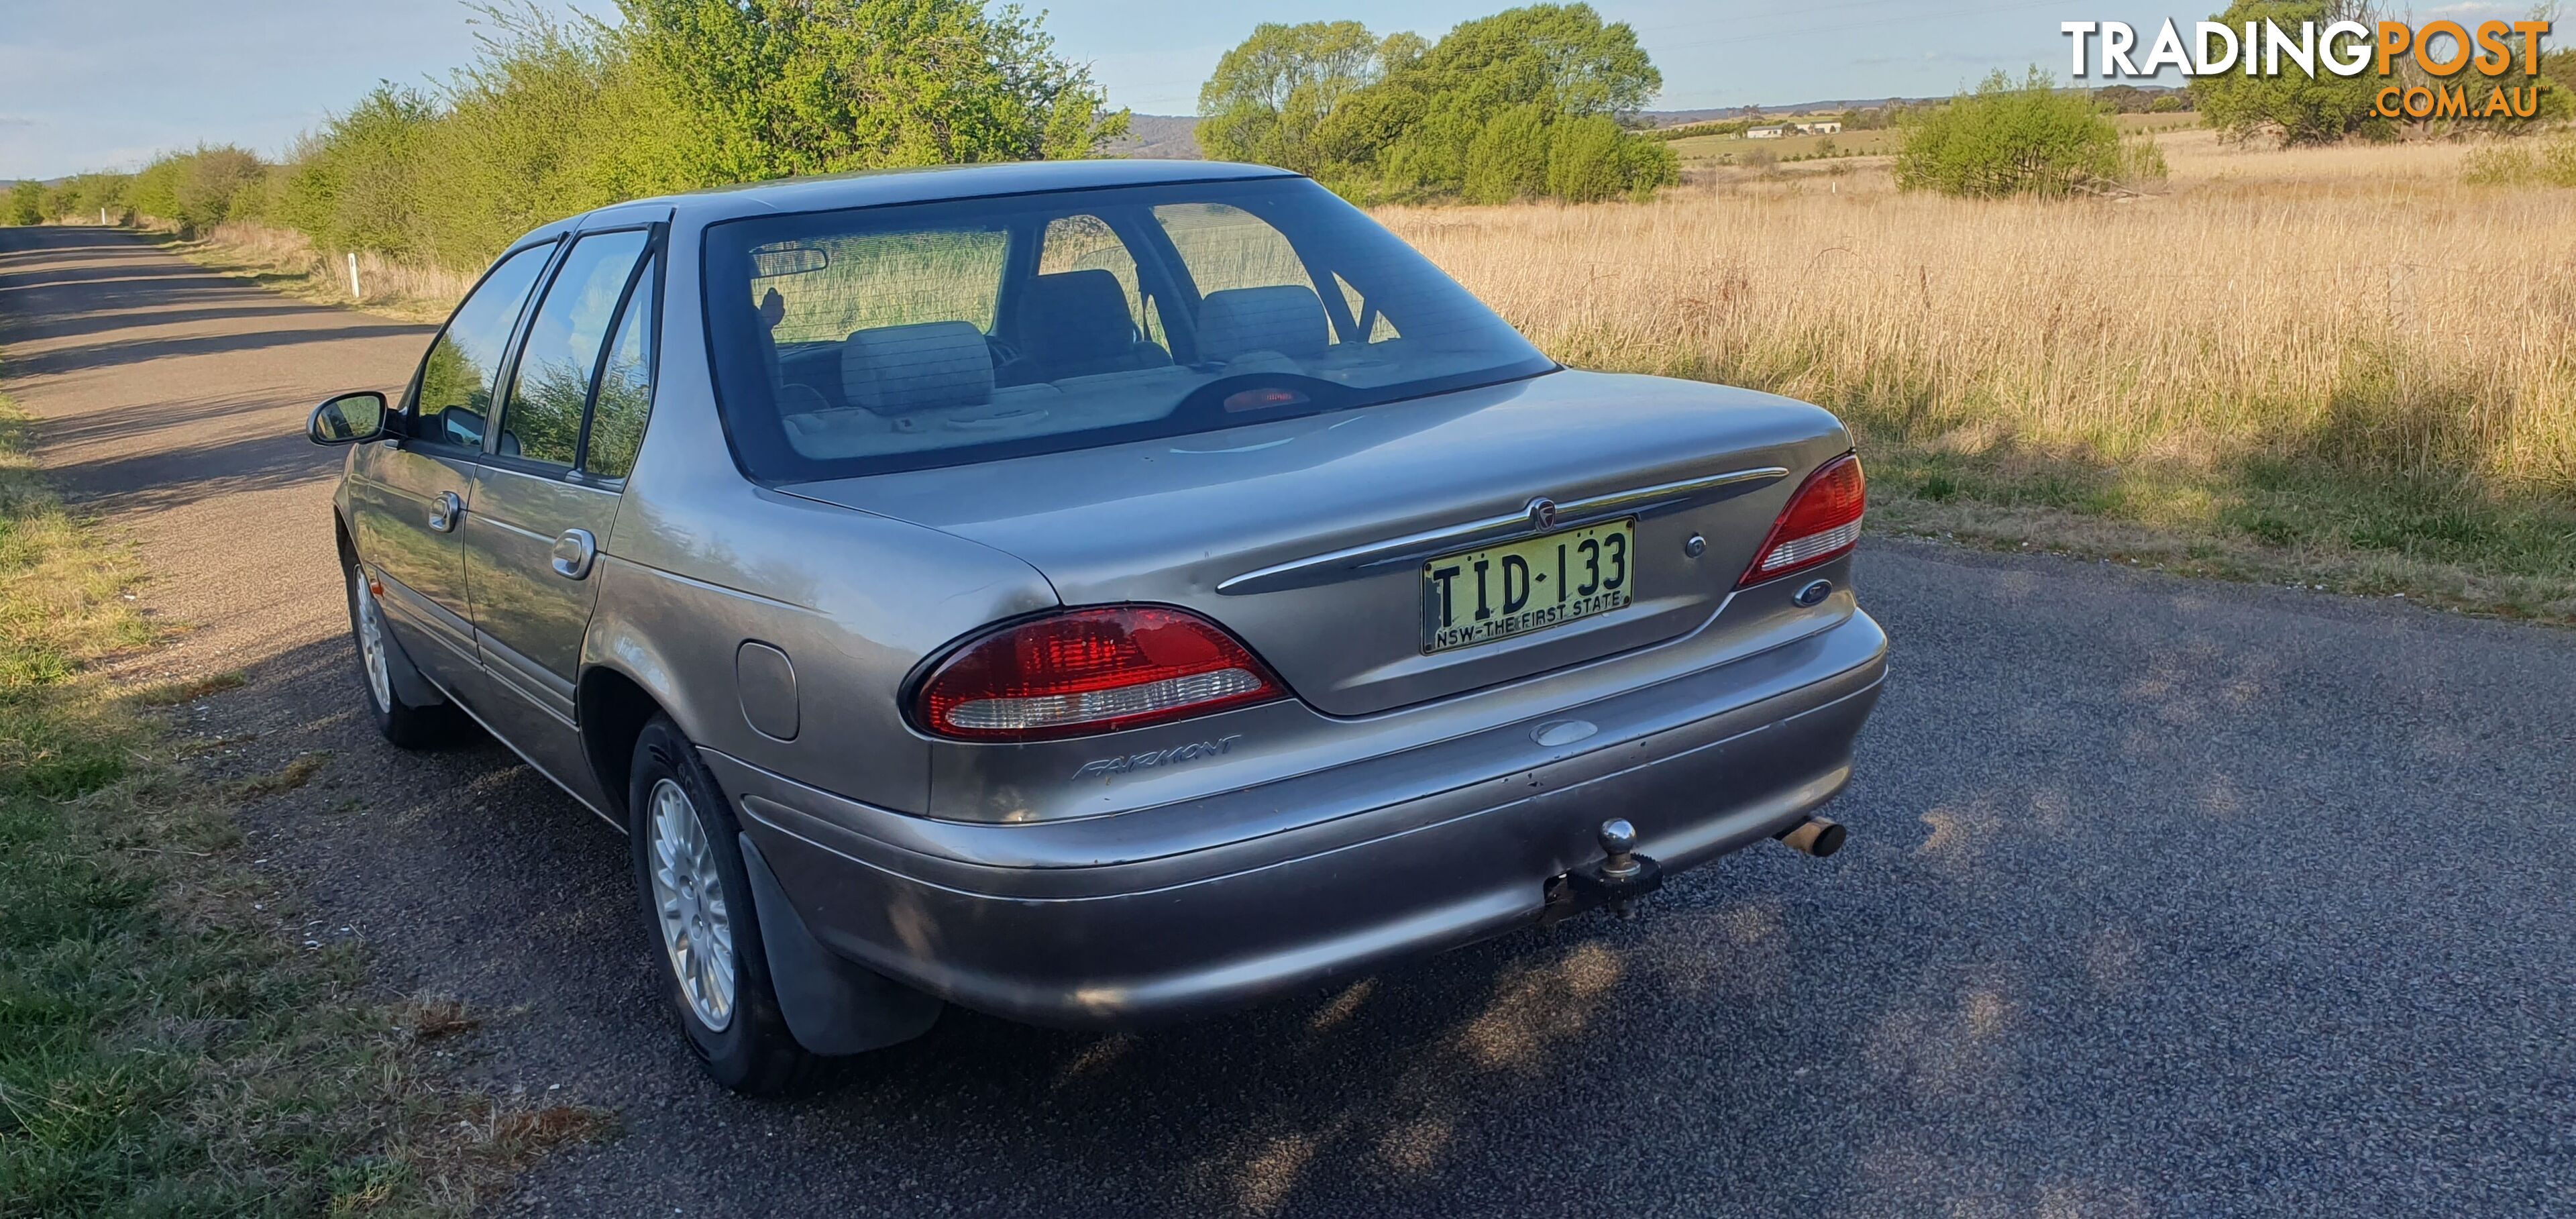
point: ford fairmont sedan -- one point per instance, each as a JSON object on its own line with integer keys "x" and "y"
{"x": 1089, "y": 593}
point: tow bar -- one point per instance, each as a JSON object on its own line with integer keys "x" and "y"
{"x": 1616, "y": 880}
{"x": 1621, "y": 875}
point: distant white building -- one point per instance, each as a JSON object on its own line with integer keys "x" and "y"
{"x": 1762, "y": 133}
{"x": 1823, "y": 128}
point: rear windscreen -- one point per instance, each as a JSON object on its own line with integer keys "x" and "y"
{"x": 895, "y": 338}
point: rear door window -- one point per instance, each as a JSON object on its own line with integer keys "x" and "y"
{"x": 542, "y": 419}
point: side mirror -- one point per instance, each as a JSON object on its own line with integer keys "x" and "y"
{"x": 348, "y": 419}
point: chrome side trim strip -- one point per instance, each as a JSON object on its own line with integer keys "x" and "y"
{"x": 1315, "y": 569}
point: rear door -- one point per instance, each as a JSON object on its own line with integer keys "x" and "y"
{"x": 547, "y": 490}
{"x": 409, "y": 494}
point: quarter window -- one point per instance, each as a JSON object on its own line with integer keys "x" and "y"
{"x": 542, "y": 421}
{"x": 625, "y": 389}
{"x": 455, "y": 399}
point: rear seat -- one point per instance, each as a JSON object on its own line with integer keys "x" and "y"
{"x": 915, "y": 380}
{"x": 931, "y": 384}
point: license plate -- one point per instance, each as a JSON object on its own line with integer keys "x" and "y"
{"x": 1478, "y": 596}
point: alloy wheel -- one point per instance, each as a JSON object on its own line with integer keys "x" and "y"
{"x": 371, "y": 641}
{"x": 689, "y": 898}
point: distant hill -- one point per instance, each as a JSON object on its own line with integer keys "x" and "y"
{"x": 1161, "y": 137}
{"x": 1173, "y": 137}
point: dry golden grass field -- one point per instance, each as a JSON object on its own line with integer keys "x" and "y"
{"x": 2339, "y": 364}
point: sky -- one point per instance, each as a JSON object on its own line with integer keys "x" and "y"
{"x": 104, "y": 84}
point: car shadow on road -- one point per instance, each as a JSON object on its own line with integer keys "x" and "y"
{"x": 49, "y": 361}
{"x": 165, "y": 479}
{"x": 155, "y": 313}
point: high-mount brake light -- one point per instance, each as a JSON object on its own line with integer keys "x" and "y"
{"x": 1090, "y": 670}
{"x": 1821, "y": 523}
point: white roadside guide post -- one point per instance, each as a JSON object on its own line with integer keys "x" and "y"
{"x": 354, "y": 293}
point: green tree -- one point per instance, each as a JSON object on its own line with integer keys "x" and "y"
{"x": 2012, "y": 138}
{"x": 779, "y": 87}
{"x": 1560, "y": 56}
{"x": 1271, "y": 93}
{"x": 2294, "y": 107}
{"x": 1475, "y": 115}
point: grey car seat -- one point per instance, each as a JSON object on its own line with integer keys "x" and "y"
{"x": 1076, "y": 324}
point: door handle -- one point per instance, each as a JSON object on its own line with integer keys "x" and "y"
{"x": 444, "y": 510}
{"x": 574, "y": 552}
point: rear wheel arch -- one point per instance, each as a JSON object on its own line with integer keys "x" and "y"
{"x": 612, "y": 709}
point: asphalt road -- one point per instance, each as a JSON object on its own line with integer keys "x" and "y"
{"x": 2163, "y": 898}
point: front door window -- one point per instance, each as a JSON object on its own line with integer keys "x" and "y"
{"x": 455, "y": 400}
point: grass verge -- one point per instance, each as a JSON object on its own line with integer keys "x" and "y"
{"x": 166, "y": 1045}
{"x": 2445, "y": 542}
{"x": 285, "y": 262}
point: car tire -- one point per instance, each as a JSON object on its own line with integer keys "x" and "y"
{"x": 709, "y": 958}
{"x": 380, "y": 661}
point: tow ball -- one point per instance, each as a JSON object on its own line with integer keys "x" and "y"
{"x": 1616, "y": 880}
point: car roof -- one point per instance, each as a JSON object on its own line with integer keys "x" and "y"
{"x": 929, "y": 184}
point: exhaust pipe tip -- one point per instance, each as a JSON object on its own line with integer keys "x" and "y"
{"x": 1817, "y": 836}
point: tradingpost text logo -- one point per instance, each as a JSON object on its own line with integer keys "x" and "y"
{"x": 2489, "y": 72}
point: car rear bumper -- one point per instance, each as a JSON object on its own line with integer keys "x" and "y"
{"x": 1136, "y": 918}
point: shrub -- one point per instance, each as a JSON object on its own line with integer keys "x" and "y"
{"x": 2007, "y": 138}
{"x": 86, "y": 195}
{"x": 1583, "y": 160}
{"x": 201, "y": 189}
{"x": 352, "y": 185}
{"x": 26, "y": 204}
{"x": 555, "y": 117}
{"x": 2525, "y": 163}
{"x": 1507, "y": 161}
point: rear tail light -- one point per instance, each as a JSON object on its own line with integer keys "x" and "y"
{"x": 1090, "y": 670}
{"x": 1821, "y": 523}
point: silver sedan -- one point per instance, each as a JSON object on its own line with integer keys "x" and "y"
{"x": 1090, "y": 593}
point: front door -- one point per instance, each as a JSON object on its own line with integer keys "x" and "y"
{"x": 408, "y": 494}
{"x": 546, "y": 494}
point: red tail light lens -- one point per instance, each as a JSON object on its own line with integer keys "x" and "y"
{"x": 1821, "y": 523}
{"x": 1091, "y": 670}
